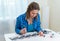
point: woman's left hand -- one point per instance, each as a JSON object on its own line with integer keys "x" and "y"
{"x": 40, "y": 33}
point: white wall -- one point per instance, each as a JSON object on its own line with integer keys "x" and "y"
{"x": 54, "y": 15}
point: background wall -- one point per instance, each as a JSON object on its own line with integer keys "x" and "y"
{"x": 54, "y": 15}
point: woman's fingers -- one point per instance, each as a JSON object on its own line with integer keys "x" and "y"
{"x": 23, "y": 31}
{"x": 41, "y": 33}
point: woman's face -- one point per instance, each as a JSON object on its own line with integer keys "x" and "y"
{"x": 33, "y": 13}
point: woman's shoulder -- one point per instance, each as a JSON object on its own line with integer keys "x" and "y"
{"x": 38, "y": 14}
{"x": 22, "y": 15}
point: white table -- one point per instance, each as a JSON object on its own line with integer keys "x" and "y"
{"x": 47, "y": 37}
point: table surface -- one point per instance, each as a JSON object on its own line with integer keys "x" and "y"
{"x": 51, "y": 36}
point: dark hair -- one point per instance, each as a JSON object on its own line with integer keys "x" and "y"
{"x": 32, "y": 6}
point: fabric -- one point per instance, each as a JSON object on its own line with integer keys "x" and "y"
{"x": 21, "y": 23}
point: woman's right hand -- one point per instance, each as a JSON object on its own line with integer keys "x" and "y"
{"x": 23, "y": 31}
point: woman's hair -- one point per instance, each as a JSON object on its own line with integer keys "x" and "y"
{"x": 32, "y": 6}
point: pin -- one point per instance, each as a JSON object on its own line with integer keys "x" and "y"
{"x": 43, "y": 35}
{"x": 52, "y": 35}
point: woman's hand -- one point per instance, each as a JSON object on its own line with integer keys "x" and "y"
{"x": 23, "y": 31}
{"x": 40, "y": 33}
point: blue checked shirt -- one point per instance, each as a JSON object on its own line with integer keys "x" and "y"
{"x": 21, "y": 22}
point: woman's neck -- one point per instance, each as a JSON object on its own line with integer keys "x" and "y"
{"x": 29, "y": 20}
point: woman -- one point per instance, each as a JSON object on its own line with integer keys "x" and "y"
{"x": 29, "y": 21}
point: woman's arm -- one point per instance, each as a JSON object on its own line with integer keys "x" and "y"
{"x": 18, "y": 26}
{"x": 38, "y": 24}
{"x": 39, "y": 29}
